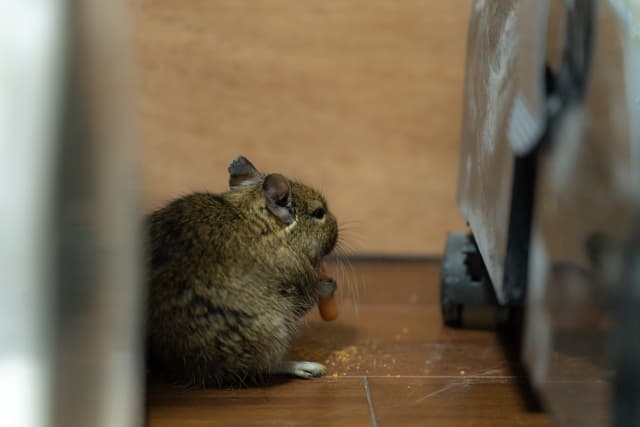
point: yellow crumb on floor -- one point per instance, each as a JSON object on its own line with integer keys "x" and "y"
{"x": 345, "y": 355}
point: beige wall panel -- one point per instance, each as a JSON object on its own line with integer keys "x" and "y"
{"x": 361, "y": 99}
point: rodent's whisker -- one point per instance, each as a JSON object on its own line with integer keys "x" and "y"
{"x": 354, "y": 284}
{"x": 348, "y": 228}
{"x": 350, "y": 221}
{"x": 351, "y": 240}
{"x": 344, "y": 247}
{"x": 347, "y": 276}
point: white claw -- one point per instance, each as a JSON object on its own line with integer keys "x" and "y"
{"x": 301, "y": 369}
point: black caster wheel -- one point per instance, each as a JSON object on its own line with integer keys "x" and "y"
{"x": 451, "y": 313}
{"x": 463, "y": 279}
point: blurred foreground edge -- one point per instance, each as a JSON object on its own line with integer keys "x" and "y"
{"x": 549, "y": 184}
{"x": 70, "y": 247}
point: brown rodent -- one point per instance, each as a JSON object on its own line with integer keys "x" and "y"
{"x": 231, "y": 274}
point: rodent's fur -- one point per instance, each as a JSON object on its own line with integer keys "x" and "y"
{"x": 231, "y": 274}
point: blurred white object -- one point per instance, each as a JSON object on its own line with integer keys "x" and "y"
{"x": 70, "y": 294}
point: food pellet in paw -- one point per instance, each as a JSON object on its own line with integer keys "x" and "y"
{"x": 328, "y": 308}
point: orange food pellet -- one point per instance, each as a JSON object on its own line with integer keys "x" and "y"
{"x": 328, "y": 308}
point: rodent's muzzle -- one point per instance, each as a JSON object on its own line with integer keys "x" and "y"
{"x": 332, "y": 240}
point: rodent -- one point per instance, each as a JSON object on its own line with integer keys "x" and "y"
{"x": 231, "y": 274}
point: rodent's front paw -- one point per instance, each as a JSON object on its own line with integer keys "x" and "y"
{"x": 326, "y": 287}
{"x": 302, "y": 369}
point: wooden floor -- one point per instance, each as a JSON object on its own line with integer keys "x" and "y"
{"x": 391, "y": 362}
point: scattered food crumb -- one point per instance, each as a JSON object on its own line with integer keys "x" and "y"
{"x": 462, "y": 372}
{"x": 405, "y": 330}
{"x": 346, "y": 354}
{"x": 335, "y": 375}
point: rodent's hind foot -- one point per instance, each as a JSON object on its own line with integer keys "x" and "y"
{"x": 301, "y": 369}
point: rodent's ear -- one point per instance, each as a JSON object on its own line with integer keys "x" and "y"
{"x": 242, "y": 172}
{"x": 277, "y": 193}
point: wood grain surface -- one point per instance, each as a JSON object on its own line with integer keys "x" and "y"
{"x": 390, "y": 363}
{"x": 360, "y": 99}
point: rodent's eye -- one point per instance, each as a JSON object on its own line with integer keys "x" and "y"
{"x": 318, "y": 213}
